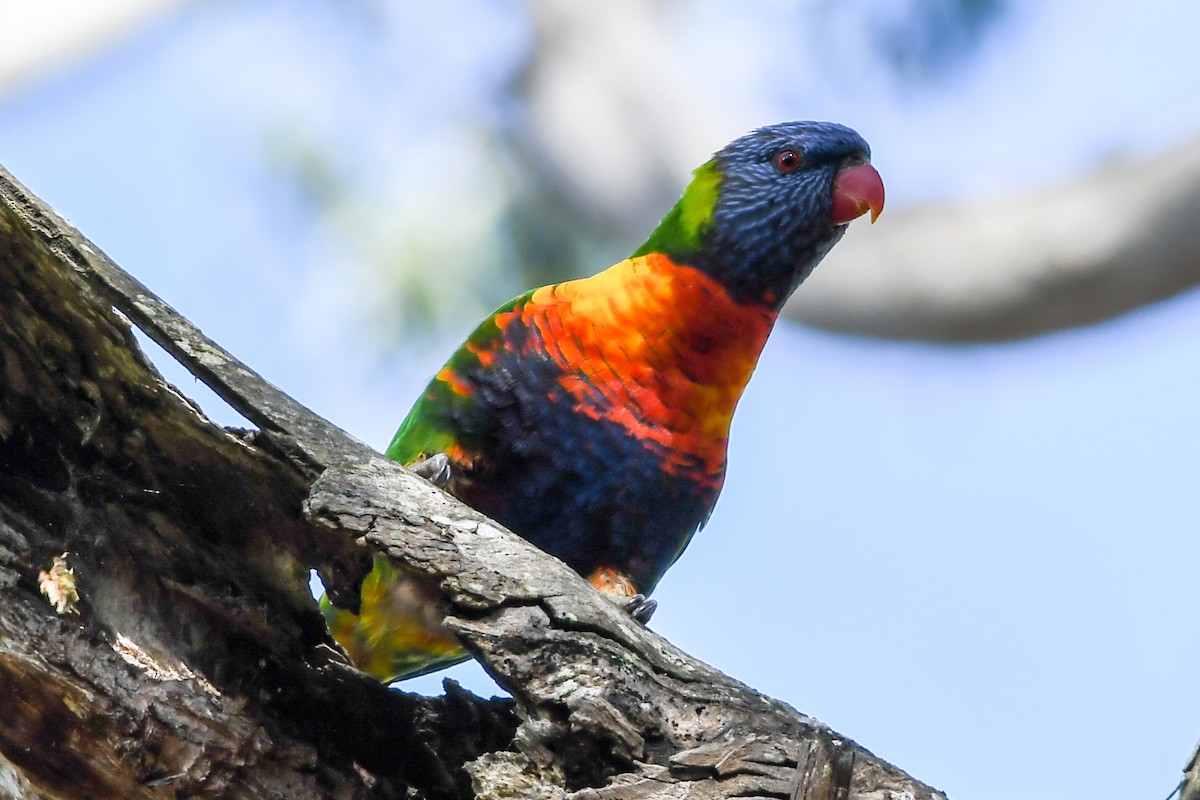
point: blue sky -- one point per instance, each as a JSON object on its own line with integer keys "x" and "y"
{"x": 975, "y": 561}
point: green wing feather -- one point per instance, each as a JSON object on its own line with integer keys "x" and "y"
{"x": 431, "y": 426}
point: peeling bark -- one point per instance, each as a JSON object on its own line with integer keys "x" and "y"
{"x": 195, "y": 663}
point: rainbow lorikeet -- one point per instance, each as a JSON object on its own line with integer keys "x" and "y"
{"x": 592, "y": 416}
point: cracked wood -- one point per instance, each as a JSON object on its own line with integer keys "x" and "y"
{"x": 207, "y": 565}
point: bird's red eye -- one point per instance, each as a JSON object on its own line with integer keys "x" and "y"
{"x": 787, "y": 160}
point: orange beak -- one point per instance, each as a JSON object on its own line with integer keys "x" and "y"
{"x": 856, "y": 190}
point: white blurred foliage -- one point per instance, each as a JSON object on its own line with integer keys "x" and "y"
{"x": 612, "y": 113}
{"x": 403, "y": 252}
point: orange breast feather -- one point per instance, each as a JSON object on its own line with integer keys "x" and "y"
{"x": 656, "y": 347}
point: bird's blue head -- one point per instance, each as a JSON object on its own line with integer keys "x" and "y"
{"x": 768, "y": 206}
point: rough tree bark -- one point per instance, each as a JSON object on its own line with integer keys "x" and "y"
{"x": 157, "y": 636}
{"x": 1189, "y": 785}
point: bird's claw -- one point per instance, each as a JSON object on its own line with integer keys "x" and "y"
{"x": 330, "y": 654}
{"x": 435, "y": 469}
{"x": 640, "y": 607}
{"x": 617, "y": 586}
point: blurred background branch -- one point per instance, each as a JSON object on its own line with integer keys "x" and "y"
{"x": 359, "y": 182}
{"x": 47, "y": 39}
{"x": 594, "y": 122}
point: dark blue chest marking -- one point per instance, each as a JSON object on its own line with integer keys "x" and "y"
{"x": 583, "y": 490}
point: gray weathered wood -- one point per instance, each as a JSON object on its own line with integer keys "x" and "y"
{"x": 195, "y": 662}
{"x": 1189, "y": 785}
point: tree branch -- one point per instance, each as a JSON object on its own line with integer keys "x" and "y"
{"x": 992, "y": 269}
{"x": 1189, "y": 785}
{"x": 1005, "y": 268}
{"x": 194, "y": 660}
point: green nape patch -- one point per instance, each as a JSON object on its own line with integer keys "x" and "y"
{"x": 699, "y": 199}
{"x": 680, "y": 230}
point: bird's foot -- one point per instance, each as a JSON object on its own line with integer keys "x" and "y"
{"x": 435, "y": 469}
{"x": 330, "y": 654}
{"x": 620, "y": 589}
{"x": 641, "y": 608}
